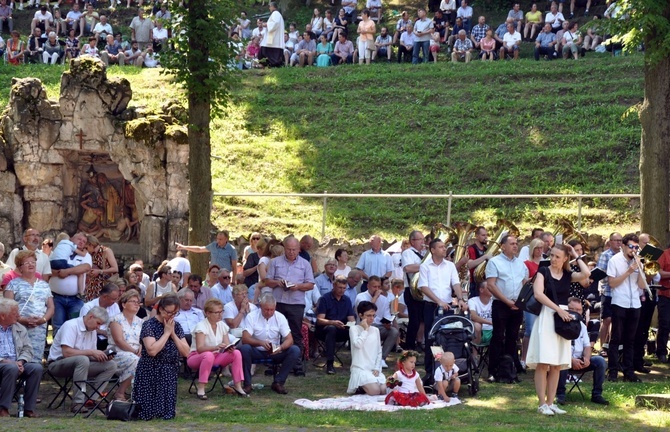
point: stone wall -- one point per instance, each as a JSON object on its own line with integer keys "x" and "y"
{"x": 42, "y": 141}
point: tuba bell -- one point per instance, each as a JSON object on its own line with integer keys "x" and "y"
{"x": 504, "y": 227}
{"x": 569, "y": 233}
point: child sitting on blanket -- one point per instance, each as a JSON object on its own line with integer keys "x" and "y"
{"x": 446, "y": 377}
{"x": 406, "y": 385}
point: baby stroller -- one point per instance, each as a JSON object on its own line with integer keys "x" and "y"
{"x": 454, "y": 333}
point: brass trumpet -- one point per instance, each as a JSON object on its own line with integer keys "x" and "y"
{"x": 505, "y": 227}
{"x": 644, "y": 278}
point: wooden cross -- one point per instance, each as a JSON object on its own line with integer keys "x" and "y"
{"x": 81, "y": 136}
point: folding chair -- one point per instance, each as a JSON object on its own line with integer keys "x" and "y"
{"x": 270, "y": 363}
{"x": 93, "y": 393}
{"x": 20, "y": 382}
{"x": 218, "y": 370}
{"x": 64, "y": 388}
{"x": 321, "y": 349}
{"x": 483, "y": 350}
{"x": 577, "y": 379}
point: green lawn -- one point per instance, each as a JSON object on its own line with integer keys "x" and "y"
{"x": 498, "y": 407}
{"x": 508, "y": 127}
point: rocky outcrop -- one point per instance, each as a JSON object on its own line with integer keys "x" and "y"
{"x": 43, "y": 144}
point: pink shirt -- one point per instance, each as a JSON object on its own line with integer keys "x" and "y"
{"x": 368, "y": 26}
{"x": 486, "y": 45}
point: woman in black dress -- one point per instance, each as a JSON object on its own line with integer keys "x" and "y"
{"x": 163, "y": 344}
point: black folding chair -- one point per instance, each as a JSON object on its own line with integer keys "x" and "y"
{"x": 217, "y": 370}
{"x": 94, "y": 393}
{"x": 577, "y": 378}
{"x": 64, "y": 386}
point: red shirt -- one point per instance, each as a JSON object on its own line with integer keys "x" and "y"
{"x": 664, "y": 262}
{"x": 532, "y": 268}
{"x": 474, "y": 253}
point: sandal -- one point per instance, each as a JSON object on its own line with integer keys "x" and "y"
{"x": 202, "y": 396}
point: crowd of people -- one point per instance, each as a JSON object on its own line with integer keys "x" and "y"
{"x": 57, "y": 35}
{"x": 274, "y": 306}
{"x": 454, "y": 32}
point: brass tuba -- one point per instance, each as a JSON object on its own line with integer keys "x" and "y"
{"x": 650, "y": 266}
{"x": 569, "y": 232}
{"x": 439, "y": 231}
{"x": 504, "y": 227}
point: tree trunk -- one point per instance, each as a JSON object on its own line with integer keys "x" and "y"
{"x": 199, "y": 161}
{"x": 654, "y": 176}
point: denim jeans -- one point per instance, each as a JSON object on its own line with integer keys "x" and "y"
{"x": 66, "y": 307}
{"x": 423, "y": 46}
{"x": 598, "y": 366}
{"x": 287, "y": 359}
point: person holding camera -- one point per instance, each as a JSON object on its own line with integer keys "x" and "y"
{"x": 74, "y": 354}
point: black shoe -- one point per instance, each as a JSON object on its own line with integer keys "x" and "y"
{"x": 632, "y": 378}
{"x": 560, "y": 400}
{"x": 299, "y": 372}
{"x": 662, "y": 358}
{"x": 647, "y": 363}
{"x": 612, "y": 377}
{"x": 330, "y": 370}
{"x": 269, "y": 372}
{"x": 643, "y": 370}
{"x": 599, "y": 400}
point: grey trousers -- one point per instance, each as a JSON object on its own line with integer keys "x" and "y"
{"x": 9, "y": 373}
{"x": 389, "y": 337}
{"x": 81, "y": 368}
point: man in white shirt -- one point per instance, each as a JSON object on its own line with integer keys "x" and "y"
{"x": 223, "y": 290}
{"x": 375, "y": 8}
{"x": 555, "y": 18}
{"x": 72, "y": 18}
{"x": 180, "y": 263}
{"x": 266, "y": 335}
{"x": 102, "y": 29}
{"x": 188, "y": 316}
{"x": 384, "y": 320}
{"x": 626, "y": 280}
{"x": 234, "y": 315}
{"x": 511, "y": 43}
{"x": 109, "y": 296}
{"x": 31, "y": 241}
{"x": 411, "y": 260}
{"x": 73, "y": 354}
{"x": 43, "y": 19}
{"x": 160, "y": 36}
{"x": 406, "y": 46}
{"x": 583, "y": 361}
{"x": 272, "y": 44}
{"x": 65, "y": 288}
{"x": 438, "y": 279}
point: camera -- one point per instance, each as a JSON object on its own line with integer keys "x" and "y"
{"x": 110, "y": 353}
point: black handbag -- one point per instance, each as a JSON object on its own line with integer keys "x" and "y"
{"x": 124, "y": 411}
{"x": 569, "y": 330}
{"x": 526, "y": 301}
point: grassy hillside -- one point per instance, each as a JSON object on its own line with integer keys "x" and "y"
{"x": 525, "y": 127}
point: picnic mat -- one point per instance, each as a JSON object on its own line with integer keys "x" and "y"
{"x": 366, "y": 403}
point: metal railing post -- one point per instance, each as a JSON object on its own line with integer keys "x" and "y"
{"x": 451, "y": 197}
{"x": 323, "y": 218}
{"x": 579, "y": 213}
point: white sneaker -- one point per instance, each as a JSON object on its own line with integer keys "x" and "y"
{"x": 384, "y": 365}
{"x": 20, "y": 7}
{"x": 545, "y": 410}
{"x": 556, "y": 409}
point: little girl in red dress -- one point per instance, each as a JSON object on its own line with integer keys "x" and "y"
{"x": 406, "y": 383}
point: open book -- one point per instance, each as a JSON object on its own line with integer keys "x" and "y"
{"x": 232, "y": 344}
{"x": 276, "y": 348}
{"x": 288, "y": 285}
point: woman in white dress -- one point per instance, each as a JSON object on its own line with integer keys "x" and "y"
{"x": 549, "y": 353}
{"x": 366, "y": 353}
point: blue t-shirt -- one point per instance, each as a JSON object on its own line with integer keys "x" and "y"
{"x": 222, "y": 256}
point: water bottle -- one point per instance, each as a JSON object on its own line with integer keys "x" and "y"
{"x": 21, "y": 404}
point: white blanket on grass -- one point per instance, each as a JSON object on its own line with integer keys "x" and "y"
{"x": 366, "y": 403}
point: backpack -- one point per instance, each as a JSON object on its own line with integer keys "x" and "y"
{"x": 507, "y": 370}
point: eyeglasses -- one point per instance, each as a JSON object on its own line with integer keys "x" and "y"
{"x": 634, "y": 247}
{"x": 255, "y": 238}
{"x": 171, "y": 314}
{"x": 32, "y": 263}
{"x": 225, "y": 277}
{"x": 133, "y": 301}
{"x": 216, "y": 312}
{"x": 369, "y": 315}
